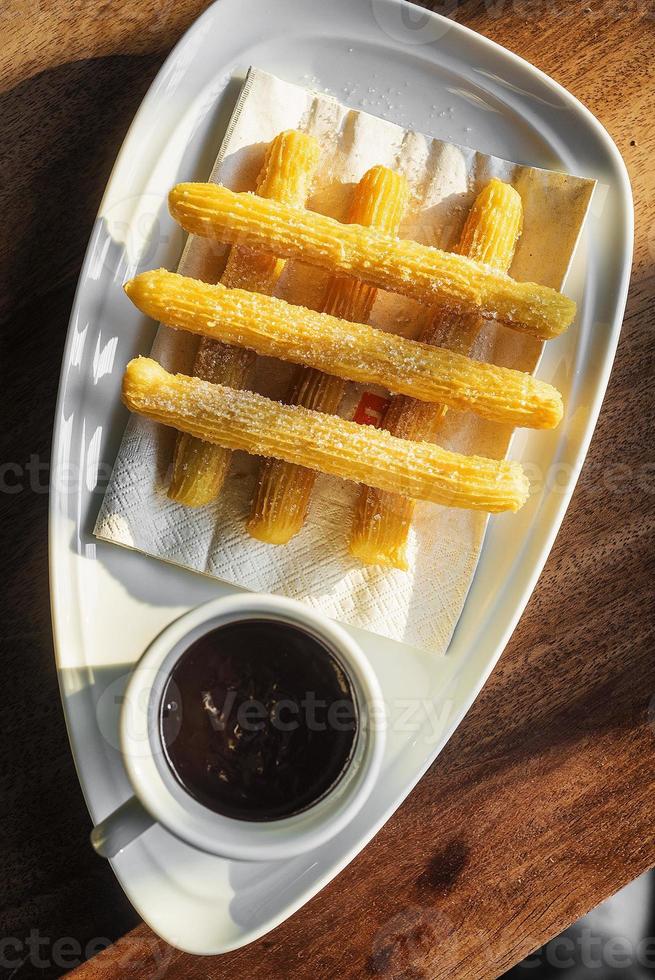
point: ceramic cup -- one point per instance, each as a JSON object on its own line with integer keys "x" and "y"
{"x": 160, "y": 798}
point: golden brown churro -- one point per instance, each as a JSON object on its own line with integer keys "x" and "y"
{"x": 283, "y": 492}
{"x": 419, "y": 271}
{"x": 350, "y": 350}
{"x": 248, "y": 421}
{"x": 199, "y": 469}
{"x": 381, "y": 521}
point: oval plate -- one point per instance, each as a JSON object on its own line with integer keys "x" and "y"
{"x": 108, "y": 603}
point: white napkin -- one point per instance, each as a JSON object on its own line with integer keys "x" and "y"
{"x": 420, "y": 606}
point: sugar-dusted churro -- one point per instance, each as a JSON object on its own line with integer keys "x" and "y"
{"x": 199, "y": 469}
{"x": 284, "y": 490}
{"x": 248, "y": 421}
{"x": 424, "y": 273}
{"x": 350, "y": 350}
{"x": 382, "y": 520}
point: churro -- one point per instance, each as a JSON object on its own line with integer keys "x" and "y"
{"x": 381, "y": 521}
{"x": 199, "y": 469}
{"x": 426, "y": 274}
{"x": 283, "y": 492}
{"x": 248, "y": 421}
{"x": 350, "y": 350}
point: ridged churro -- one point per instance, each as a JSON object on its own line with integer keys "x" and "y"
{"x": 426, "y": 274}
{"x": 199, "y": 469}
{"x": 284, "y": 490}
{"x": 381, "y": 521}
{"x": 248, "y": 421}
{"x": 350, "y": 350}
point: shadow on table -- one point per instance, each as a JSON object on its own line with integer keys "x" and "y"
{"x": 60, "y": 131}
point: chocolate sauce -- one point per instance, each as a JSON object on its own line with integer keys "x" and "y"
{"x": 258, "y": 720}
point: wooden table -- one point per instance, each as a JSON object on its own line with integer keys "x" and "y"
{"x": 541, "y": 805}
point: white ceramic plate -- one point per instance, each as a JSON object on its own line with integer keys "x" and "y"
{"x": 109, "y": 603}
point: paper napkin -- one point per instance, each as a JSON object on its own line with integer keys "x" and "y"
{"x": 420, "y": 606}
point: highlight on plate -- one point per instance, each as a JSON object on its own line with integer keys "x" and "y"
{"x": 215, "y": 411}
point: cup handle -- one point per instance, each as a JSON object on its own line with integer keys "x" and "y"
{"x": 120, "y": 828}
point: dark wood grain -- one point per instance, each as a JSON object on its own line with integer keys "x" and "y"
{"x": 541, "y": 804}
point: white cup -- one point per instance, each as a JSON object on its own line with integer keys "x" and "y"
{"x": 160, "y": 798}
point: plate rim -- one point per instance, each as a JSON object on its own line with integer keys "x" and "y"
{"x": 613, "y": 334}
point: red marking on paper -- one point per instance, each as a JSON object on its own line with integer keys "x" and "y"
{"x": 371, "y": 409}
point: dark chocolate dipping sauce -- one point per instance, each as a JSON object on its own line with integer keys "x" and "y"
{"x": 258, "y": 720}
